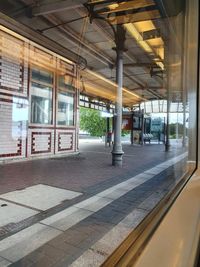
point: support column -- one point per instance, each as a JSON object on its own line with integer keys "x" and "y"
{"x": 108, "y": 119}
{"x": 142, "y": 132}
{"x": 107, "y": 135}
{"x": 177, "y": 127}
{"x": 184, "y": 119}
{"x": 132, "y": 127}
{"x": 167, "y": 142}
{"x": 117, "y": 151}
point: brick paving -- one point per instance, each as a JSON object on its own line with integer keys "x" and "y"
{"x": 85, "y": 172}
{"x": 91, "y": 172}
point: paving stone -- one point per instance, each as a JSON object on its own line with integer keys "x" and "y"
{"x": 12, "y": 213}
{"x": 96, "y": 170}
{"x": 40, "y": 196}
{"x": 89, "y": 259}
{"x": 22, "y": 263}
{"x": 73, "y": 237}
{"x": 66, "y": 260}
{"x": 22, "y": 243}
{"x": 45, "y": 261}
{"x": 86, "y": 235}
{"x": 4, "y": 262}
{"x": 66, "y": 218}
{"x": 151, "y": 202}
{"x": 94, "y": 203}
{"x": 134, "y": 218}
{"x": 69, "y": 249}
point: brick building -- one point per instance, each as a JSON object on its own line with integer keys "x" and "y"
{"x": 38, "y": 100}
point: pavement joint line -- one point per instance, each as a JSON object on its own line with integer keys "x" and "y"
{"x": 40, "y": 196}
{"x": 50, "y": 227}
{"x": 102, "y": 246}
{"x": 115, "y": 236}
{"x": 19, "y": 234}
{"x": 20, "y": 204}
{"x": 5, "y": 260}
{"x": 125, "y": 155}
{"x": 27, "y": 241}
{"x": 108, "y": 153}
{"x": 96, "y": 152}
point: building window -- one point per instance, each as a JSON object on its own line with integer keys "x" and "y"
{"x": 65, "y": 96}
{"x": 41, "y": 96}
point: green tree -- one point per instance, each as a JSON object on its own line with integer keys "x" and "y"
{"x": 92, "y": 122}
{"x": 172, "y": 128}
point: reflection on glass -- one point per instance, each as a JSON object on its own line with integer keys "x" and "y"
{"x": 65, "y": 108}
{"x": 41, "y": 75}
{"x": 66, "y": 81}
{"x": 65, "y": 96}
{"x": 41, "y": 104}
{"x": 19, "y": 118}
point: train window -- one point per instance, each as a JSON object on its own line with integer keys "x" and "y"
{"x": 98, "y": 116}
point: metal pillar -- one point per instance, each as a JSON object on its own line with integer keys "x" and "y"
{"x": 184, "y": 119}
{"x": 117, "y": 151}
{"x": 108, "y": 119}
{"x": 142, "y": 131}
{"x": 132, "y": 127}
{"x": 167, "y": 142}
{"x": 177, "y": 127}
{"x": 107, "y": 135}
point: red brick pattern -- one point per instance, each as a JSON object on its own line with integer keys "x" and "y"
{"x": 18, "y": 152}
{"x": 68, "y": 144}
{"x": 13, "y": 69}
{"x": 11, "y": 141}
{"x": 47, "y": 144}
{"x": 18, "y": 138}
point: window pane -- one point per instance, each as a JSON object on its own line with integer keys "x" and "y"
{"x": 66, "y": 81}
{"x": 42, "y": 75}
{"x": 41, "y": 104}
{"x": 65, "y": 108}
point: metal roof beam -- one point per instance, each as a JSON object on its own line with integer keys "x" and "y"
{"x": 99, "y": 2}
{"x": 98, "y": 27}
{"x": 140, "y": 64}
{"x": 131, "y": 18}
{"x": 125, "y": 6}
{"x": 45, "y": 9}
{"x": 143, "y": 88}
{"x": 72, "y": 37}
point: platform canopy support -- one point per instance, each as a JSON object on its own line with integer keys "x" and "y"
{"x": 117, "y": 152}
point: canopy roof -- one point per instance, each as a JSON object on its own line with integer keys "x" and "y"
{"x": 74, "y": 26}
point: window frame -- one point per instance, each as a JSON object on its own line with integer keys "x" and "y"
{"x": 65, "y": 90}
{"x": 31, "y": 80}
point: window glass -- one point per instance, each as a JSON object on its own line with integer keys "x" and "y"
{"x": 41, "y": 95}
{"x": 65, "y": 108}
{"x": 43, "y": 76}
{"x": 65, "y": 98}
{"x": 41, "y": 104}
{"x": 66, "y": 81}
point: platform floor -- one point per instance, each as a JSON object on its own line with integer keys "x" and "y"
{"x": 75, "y": 210}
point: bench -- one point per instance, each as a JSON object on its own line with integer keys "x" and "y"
{"x": 147, "y": 138}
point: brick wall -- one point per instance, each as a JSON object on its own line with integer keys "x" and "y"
{"x": 64, "y": 141}
{"x": 18, "y": 137}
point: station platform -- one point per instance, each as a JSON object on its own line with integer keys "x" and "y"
{"x": 75, "y": 210}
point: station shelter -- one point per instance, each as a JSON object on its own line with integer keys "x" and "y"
{"x": 47, "y": 65}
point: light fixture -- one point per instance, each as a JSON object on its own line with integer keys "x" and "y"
{"x": 135, "y": 29}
